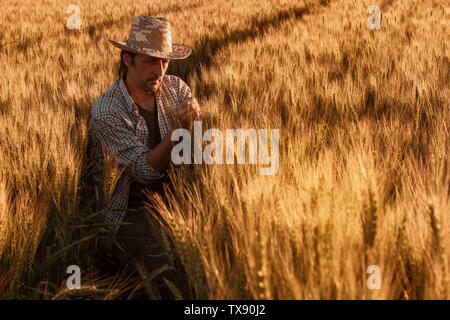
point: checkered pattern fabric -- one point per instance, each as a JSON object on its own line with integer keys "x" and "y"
{"x": 116, "y": 125}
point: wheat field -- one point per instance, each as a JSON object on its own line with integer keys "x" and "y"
{"x": 363, "y": 179}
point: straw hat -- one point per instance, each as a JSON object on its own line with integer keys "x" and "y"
{"x": 152, "y": 37}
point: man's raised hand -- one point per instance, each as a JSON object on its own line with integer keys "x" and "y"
{"x": 187, "y": 112}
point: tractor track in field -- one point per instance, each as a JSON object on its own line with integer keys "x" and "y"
{"x": 206, "y": 48}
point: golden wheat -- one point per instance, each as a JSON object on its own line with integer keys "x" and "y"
{"x": 364, "y": 141}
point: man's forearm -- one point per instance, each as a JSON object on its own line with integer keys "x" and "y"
{"x": 159, "y": 157}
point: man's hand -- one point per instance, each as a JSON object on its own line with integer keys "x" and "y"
{"x": 182, "y": 117}
{"x": 187, "y": 112}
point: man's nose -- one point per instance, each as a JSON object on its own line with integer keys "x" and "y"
{"x": 159, "y": 68}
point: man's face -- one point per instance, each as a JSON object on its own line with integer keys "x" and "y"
{"x": 146, "y": 72}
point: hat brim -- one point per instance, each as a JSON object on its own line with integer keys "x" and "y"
{"x": 179, "y": 51}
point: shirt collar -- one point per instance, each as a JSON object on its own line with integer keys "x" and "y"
{"x": 130, "y": 103}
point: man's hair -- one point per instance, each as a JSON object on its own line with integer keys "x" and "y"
{"x": 123, "y": 69}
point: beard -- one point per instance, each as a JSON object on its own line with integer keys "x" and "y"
{"x": 153, "y": 86}
{"x": 150, "y": 87}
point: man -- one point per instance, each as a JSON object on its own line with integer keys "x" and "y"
{"x": 133, "y": 120}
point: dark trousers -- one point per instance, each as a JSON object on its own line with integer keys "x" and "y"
{"x": 143, "y": 253}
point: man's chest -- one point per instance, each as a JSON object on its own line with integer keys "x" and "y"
{"x": 148, "y": 105}
{"x": 147, "y": 120}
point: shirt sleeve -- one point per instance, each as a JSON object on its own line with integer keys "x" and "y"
{"x": 119, "y": 140}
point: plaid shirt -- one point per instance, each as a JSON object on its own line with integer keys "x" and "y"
{"x": 115, "y": 124}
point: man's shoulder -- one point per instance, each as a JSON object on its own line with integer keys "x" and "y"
{"x": 108, "y": 103}
{"x": 175, "y": 84}
{"x": 173, "y": 81}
